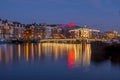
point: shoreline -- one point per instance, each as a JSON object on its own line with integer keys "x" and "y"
{"x": 47, "y": 41}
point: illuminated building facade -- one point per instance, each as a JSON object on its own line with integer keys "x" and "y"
{"x": 11, "y": 30}
{"x": 16, "y": 30}
{"x": 48, "y": 31}
{"x": 111, "y": 35}
{"x": 84, "y": 32}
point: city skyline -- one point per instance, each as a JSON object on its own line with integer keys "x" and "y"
{"x": 98, "y": 14}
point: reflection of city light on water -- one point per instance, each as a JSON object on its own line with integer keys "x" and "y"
{"x": 39, "y": 49}
{"x": 7, "y": 53}
{"x": 80, "y": 55}
{"x": 0, "y": 53}
{"x": 26, "y": 51}
{"x": 87, "y": 55}
{"x": 19, "y": 50}
{"x": 71, "y": 58}
{"x": 56, "y": 52}
{"x": 32, "y": 51}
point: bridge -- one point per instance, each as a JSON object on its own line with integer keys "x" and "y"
{"x": 70, "y": 40}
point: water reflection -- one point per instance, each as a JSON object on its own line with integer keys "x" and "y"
{"x": 26, "y": 51}
{"x": 79, "y": 55}
{"x": 74, "y": 54}
{"x": 0, "y": 53}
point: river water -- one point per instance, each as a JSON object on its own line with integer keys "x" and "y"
{"x": 56, "y": 61}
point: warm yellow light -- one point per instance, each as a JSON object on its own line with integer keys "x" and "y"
{"x": 32, "y": 51}
{"x": 19, "y": 50}
{"x": 0, "y": 31}
{"x": 26, "y": 51}
{"x": 39, "y": 49}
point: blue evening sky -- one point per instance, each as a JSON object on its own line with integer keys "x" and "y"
{"x": 98, "y": 14}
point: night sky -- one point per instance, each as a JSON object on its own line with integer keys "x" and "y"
{"x": 98, "y": 14}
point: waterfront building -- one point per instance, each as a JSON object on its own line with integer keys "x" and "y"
{"x": 1, "y": 28}
{"x": 17, "y": 30}
{"x": 27, "y": 34}
{"x": 42, "y": 31}
{"x": 38, "y": 31}
{"x": 119, "y": 37}
{"x": 83, "y": 32}
{"x": 6, "y": 30}
{"x": 111, "y": 35}
{"x": 11, "y": 30}
{"x": 115, "y": 32}
{"x": 58, "y": 33}
{"x": 48, "y": 31}
{"x": 34, "y": 32}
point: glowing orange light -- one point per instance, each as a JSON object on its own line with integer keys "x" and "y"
{"x": 71, "y": 58}
{"x": 26, "y": 52}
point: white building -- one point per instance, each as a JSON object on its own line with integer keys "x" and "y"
{"x": 83, "y": 32}
{"x": 48, "y": 32}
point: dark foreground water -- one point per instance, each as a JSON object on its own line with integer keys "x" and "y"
{"x": 54, "y": 61}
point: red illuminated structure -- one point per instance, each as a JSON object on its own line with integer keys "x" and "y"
{"x": 71, "y": 25}
{"x": 68, "y": 25}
